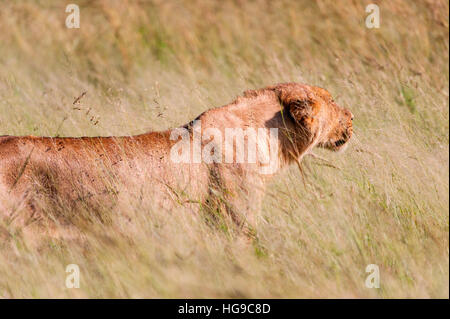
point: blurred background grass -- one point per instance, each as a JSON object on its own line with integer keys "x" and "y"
{"x": 151, "y": 65}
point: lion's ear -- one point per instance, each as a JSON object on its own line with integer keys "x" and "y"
{"x": 299, "y": 102}
{"x": 301, "y": 109}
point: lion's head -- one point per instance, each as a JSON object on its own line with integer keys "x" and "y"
{"x": 320, "y": 121}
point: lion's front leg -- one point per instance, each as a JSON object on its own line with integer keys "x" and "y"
{"x": 236, "y": 192}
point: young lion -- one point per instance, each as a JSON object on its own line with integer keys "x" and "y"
{"x": 74, "y": 170}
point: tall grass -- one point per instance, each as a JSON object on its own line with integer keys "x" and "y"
{"x": 150, "y": 65}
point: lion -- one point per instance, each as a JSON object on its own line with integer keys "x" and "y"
{"x": 70, "y": 170}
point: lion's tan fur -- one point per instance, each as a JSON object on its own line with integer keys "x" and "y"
{"x": 78, "y": 169}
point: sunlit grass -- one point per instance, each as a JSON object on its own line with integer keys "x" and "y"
{"x": 158, "y": 65}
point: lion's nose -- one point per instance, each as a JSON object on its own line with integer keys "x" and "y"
{"x": 348, "y": 113}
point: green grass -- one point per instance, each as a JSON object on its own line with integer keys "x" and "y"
{"x": 158, "y": 65}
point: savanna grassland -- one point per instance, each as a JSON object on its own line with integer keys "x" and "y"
{"x": 152, "y": 65}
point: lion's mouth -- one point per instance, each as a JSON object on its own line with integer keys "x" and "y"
{"x": 340, "y": 142}
{"x": 335, "y": 145}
